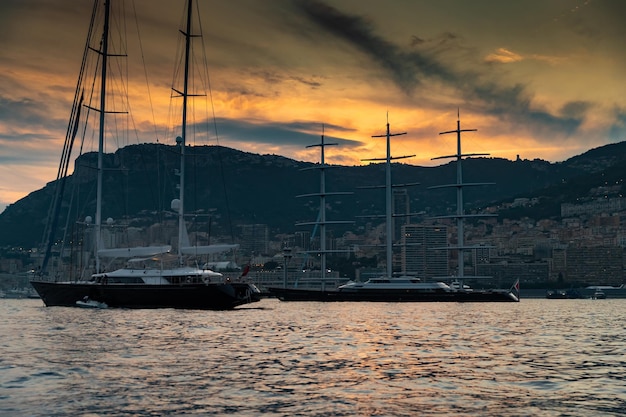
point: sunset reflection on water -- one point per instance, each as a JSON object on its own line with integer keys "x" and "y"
{"x": 547, "y": 357}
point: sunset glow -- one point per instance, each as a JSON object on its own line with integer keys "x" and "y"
{"x": 537, "y": 79}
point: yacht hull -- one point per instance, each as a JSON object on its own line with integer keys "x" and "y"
{"x": 395, "y": 295}
{"x": 198, "y": 296}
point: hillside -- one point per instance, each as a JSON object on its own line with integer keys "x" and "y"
{"x": 237, "y": 188}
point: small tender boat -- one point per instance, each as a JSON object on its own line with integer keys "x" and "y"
{"x": 89, "y": 303}
{"x": 598, "y": 294}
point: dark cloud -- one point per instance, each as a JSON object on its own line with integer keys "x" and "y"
{"x": 514, "y": 105}
{"x": 308, "y": 82}
{"x": 359, "y": 32}
{"x": 27, "y": 115}
{"x": 576, "y": 109}
{"x": 274, "y": 77}
{"x": 12, "y": 150}
{"x": 20, "y": 111}
{"x": 425, "y": 63}
{"x": 617, "y": 131}
{"x": 583, "y": 19}
{"x": 298, "y": 134}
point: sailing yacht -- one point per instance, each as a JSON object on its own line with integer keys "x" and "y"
{"x": 137, "y": 285}
{"x": 390, "y": 288}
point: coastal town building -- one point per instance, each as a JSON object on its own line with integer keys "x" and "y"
{"x": 585, "y": 248}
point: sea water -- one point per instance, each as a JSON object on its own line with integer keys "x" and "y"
{"x": 533, "y": 358}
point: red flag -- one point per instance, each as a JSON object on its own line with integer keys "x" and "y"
{"x": 245, "y": 271}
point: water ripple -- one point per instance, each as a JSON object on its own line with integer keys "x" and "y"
{"x": 538, "y": 357}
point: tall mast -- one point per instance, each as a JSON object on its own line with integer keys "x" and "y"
{"x": 183, "y": 138}
{"x": 323, "y": 209}
{"x": 103, "y": 85}
{"x": 460, "y": 210}
{"x": 388, "y": 196}
{"x": 460, "y": 215}
{"x": 322, "y": 222}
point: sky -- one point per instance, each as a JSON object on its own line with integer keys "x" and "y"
{"x": 536, "y": 78}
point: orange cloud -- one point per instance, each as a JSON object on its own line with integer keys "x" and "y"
{"x": 504, "y": 56}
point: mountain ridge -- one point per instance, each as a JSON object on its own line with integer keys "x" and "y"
{"x": 236, "y": 187}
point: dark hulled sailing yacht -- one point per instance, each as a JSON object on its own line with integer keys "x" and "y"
{"x": 137, "y": 285}
{"x": 390, "y": 288}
